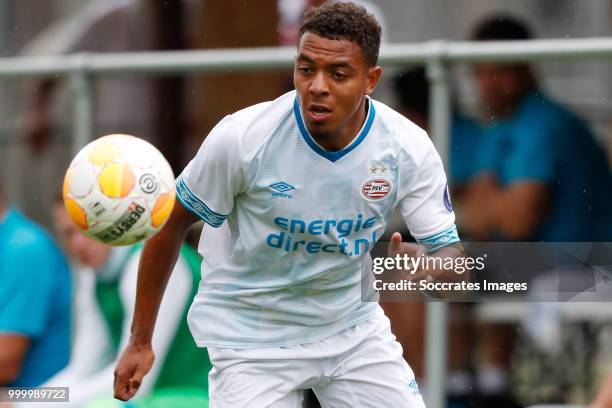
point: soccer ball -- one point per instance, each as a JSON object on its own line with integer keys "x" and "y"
{"x": 119, "y": 190}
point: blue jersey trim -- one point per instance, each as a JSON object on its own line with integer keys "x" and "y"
{"x": 197, "y": 206}
{"x": 334, "y": 156}
{"x": 441, "y": 239}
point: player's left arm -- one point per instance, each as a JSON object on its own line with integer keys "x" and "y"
{"x": 426, "y": 207}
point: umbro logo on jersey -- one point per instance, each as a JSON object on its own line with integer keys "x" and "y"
{"x": 281, "y": 188}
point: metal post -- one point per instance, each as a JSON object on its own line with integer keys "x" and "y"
{"x": 83, "y": 105}
{"x": 436, "y": 318}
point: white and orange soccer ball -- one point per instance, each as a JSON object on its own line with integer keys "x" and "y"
{"x": 119, "y": 190}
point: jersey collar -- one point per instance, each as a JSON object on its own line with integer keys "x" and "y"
{"x": 337, "y": 155}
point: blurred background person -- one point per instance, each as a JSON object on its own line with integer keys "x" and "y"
{"x": 35, "y": 293}
{"x": 107, "y": 280}
{"x": 541, "y": 174}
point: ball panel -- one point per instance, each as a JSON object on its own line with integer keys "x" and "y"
{"x": 81, "y": 179}
{"x": 76, "y": 213}
{"x": 162, "y": 209}
{"x": 99, "y": 207}
{"x": 66, "y": 185}
{"x": 103, "y": 152}
{"x": 124, "y": 225}
{"x": 140, "y": 154}
{"x": 116, "y": 180}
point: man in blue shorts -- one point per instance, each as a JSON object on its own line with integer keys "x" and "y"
{"x": 35, "y": 291}
{"x": 294, "y": 193}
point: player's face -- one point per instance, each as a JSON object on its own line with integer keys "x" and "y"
{"x": 331, "y": 78}
{"x": 85, "y": 250}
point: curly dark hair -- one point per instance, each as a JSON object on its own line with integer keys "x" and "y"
{"x": 337, "y": 20}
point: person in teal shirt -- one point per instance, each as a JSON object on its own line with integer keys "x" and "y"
{"x": 541, "y": 175}
{"x": 35, "y": 302}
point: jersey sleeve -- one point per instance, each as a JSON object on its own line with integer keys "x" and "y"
{"x": 209, "y": 183}
{"x": 425, "y": 203}
{"x": 26, "y": 289}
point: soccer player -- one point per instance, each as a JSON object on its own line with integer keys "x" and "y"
{"x": 295, "y": 192}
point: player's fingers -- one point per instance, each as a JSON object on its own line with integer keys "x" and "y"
{"x": 134, "y": 385}
{"x": 123, "y": 373}
{"x": 395, "y": 244}
{"x": 136, "y": 379}
{"x": 122, "y": 386}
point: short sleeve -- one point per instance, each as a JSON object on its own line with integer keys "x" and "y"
{"x": 489, "y": 153}
{"x": 425, "y": 204}
{"x": 209, "y": 183}
{"x": 25, "y": 289}
{"x": 534, "y": 156}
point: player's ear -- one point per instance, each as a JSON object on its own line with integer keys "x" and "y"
{"x": 372, "y": 78}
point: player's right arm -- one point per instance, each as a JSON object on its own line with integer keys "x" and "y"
{"x": 205, "y": 190}
{"x": 156, "y": 263}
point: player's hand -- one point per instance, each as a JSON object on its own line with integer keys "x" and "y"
{"x": 134, "y": 364}
{"x": 397, "y": 247}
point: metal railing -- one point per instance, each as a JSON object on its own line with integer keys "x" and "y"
{"x": 435, "y": 55}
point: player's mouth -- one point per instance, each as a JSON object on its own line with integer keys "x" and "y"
{"x": 318, "y": 113}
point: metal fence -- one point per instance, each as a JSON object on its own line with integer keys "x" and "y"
{"x": 436, "y": 56}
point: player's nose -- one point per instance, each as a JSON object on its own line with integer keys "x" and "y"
{"x": 319, "y": 84}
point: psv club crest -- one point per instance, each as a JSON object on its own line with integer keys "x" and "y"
{"x": 376, "y": 188}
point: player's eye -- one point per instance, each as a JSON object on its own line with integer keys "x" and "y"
{"x": 305, "y": 70}
{"x": 339, "y": 76}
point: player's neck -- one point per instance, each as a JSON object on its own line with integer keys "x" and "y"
{"x": 337, "y": 141}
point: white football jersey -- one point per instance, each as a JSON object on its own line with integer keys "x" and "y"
{"x": 286, "y": 267}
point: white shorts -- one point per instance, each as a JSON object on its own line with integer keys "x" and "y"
{"x": 361, "y": 366}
